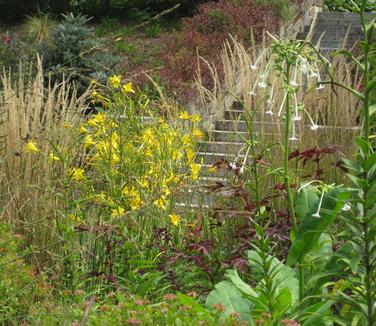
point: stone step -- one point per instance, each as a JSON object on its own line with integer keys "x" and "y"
{"x": 234, "y": 115}
{"x": 333, "y": 15}
{"x": 220, "y": 147}
{"x": 227, "y": 136}
{"x": 228, "y": 125}
{"x": 212, "y": 158}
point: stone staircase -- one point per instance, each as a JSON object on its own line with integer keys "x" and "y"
{"x": 226, "y": 142}
{"x": 334, "y": 30}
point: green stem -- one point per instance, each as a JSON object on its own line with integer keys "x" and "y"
{"x": 366, "y": 127}
{"x": 368, "y": 281}
{"x": 290, "y": 200}
{"x": 301, "y": 283}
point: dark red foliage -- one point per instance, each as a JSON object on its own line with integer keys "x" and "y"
{"x": 315, "y": 155}
{"x": 205, "y": 34}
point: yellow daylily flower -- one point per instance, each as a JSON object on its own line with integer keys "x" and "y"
{"x": 196, "y": 118}
{"x": 128, "y": 88}
{"x": 52, "y": 157}
{"x": 31, "y": 147}
{"x": 175, "y": 219}
{"x": 118, "y": 211}
{"x": 195, "y": 170}
{"x": 184, "y": 115}
{"x": 161, "y": 202}
{"x": 88, "y": 141}
{"x": 76, "y": 174}
{"x": 115, "y": 81}
{"x": 74, "y": 218}
{"x": 83, "y": 130}
{"x": 197, "y": 133}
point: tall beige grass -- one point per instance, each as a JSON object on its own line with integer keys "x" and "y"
{"x": 334, "y": 109}
{"x": 31, "y": 111}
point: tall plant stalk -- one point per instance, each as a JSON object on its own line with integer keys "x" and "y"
{"x": 286, "y": 172}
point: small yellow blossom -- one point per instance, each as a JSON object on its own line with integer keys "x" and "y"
{"x": 184, "y": 115}
{"x": 190, "y": 154}
{"x": 115, "y": 158}
{"x": 98, "y": 119}
{"x": 197, "y": 133}
{"x": 115, "y": 81}
{"x": 195, "y": 170}
{"x": 74, "y": 218}
{"x": 128, "y": 88}
{"x": 83, "y": 130}
{"x": 118, "y": 211}
{"x": 148, "y": 136}
{"x": 88, "y": 141}
{"x": 52, "y": 157}
{"x": 31, "y": 147}
{"x": 67, "y": 125}
{"x": 175, "y": 219}
{"x": 94, "y": 94}
{"x": 213, "y": 169}
{"x": 196, "y": 118}
{"x": 161, "y": 202}
{"x": 186, "y": 140}
{"x": 144, "y": 182}
{"x": 136, "y": 202}
{"x": 100, "y": 198}
{"x": 76, "y": 174}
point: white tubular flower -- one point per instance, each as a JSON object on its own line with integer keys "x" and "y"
{"x": 269, "y": 112}
{"x": 346, "y": 207}
{"x": 293, "y": 137}
{"x": 317, "y": 214}
{"x": 314, "y": 126}
{"x": 255, "y": 65}
{"x": 294, "y": 82}
{"x": 303, "y": 65}
{"x": 296, "y": 116}
{"x": 282, "y": 105}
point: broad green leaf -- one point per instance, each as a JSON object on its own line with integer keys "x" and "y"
{"x": 227, "y": 294}
{"x": 317, "y": 312}
{"x": 240, "y": 284}
{"x": 304, "y": 201}
{"x": 372, "y": 109}
{"x": 283, "y": 276}
{"x": 311, "y": 227}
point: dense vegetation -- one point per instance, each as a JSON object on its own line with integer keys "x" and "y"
{"x": 111, "y": 211}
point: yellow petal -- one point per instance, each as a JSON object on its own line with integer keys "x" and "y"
{"x": 31, "y": 147}
{"x": 128, "y": 88}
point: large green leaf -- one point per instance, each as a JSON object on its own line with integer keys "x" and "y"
{"x": 304, "y": 201}
{"x": 227, "y": 294}
{"x": 240, "y": 284}
{"x": 311, "y": 227}
{"x": 283, "y": 277}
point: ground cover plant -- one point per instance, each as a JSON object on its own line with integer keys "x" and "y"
{"x": 104, "y": 213}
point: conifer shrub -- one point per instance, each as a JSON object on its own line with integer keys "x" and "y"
{"x": 73, "y": 52}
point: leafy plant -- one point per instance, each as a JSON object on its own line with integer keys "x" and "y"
{"x": 352, "y": 5}
{"x": 73, "y": 53}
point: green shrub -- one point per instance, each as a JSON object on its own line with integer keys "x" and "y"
{"x": 346, "y": 5}
{"x": 73, "y": 52}
{"x": 19, "y": 283}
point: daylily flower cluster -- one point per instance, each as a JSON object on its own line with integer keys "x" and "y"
{"x": 130, "y": 164}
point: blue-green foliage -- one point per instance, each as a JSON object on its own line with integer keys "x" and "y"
{"x": 73, "y": 52}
